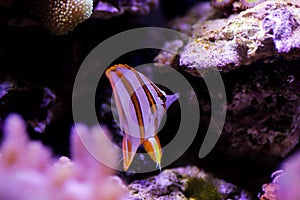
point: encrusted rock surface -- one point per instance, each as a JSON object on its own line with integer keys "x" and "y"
{"x": 263, "y": 111}
{"x": 184, "y": 183}
{"x": 111, "y": 8}
{"x": 167, "y": 57}
{"x": 268, "y": 32}
{"x": 201, "y": 12}
{"x": 262, "y": 118}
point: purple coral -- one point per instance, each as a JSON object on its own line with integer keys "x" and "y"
{"x": 28, "y": 171}
{"x": 288, "y": 184}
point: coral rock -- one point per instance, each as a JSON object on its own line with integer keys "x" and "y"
{"x": 243, "y": 4}
{"x": 166, "y": 57}
{"x": 62, "y": 16}
{"x": 111, "y": 8}
{"x": 221, "y": 3}
{"x": 201, "y": 12}
{"x": 268, "y": 31}
{"x": 250, "y": 3}
{"x": 184, "y": 183}
{"x": 262, "y": 118}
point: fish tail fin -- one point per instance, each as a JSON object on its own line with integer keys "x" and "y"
{"x": 128, "y": 152}
{"x": 170, "y": 99}
{"x": 153, "y": 148}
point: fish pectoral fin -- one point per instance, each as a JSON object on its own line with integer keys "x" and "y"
{"x": 153, "y": 148}
{"x": 128, "y": 152}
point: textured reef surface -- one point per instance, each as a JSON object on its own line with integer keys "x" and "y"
{"x": 262, "y": 118}
{"x": 108, "y": 9}
{"x": 184, "y": 183}
{"x": 257, "y": 53}
{"x": 269, "y": 31}
{"x": 262, "y": 112}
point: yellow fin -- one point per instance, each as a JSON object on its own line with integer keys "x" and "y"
{"x": 153, "y": 148}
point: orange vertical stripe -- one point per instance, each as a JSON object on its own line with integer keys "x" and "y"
{"x": 134, "y": 99}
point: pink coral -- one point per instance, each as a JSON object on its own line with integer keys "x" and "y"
{"x": 288, "y": 184}
{"x": 28, "y": 171}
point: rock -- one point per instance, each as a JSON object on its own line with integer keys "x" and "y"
{"x": 36, "y": 104}
{"x": 166, "y": 57}
{"x": 112, "y": 8}
{"x": 267, "y": 32}
{"x": 184, "y": 183}
{"x": 263, "y": 103}
{"x": 262, "y": 119}
{"x": 201, "y": 12}
{"x": 243, "y": 4}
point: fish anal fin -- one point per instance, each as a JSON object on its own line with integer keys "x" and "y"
{"x": 153, "y": 148}
{"x": 128, "y": 152}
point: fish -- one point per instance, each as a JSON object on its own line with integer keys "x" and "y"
{"x": 141, "y": 106}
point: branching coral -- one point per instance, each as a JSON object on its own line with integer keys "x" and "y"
{"x": 28, "y": 171}
{"x": 62, "y": 16}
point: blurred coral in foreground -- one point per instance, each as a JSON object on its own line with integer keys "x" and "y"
{"x": 289, "y": 182}
{"x": 286, "y": 181}
{"x": 28, "y": 170}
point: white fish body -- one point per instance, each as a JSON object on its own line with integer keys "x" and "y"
{"x": 141, "y": 106}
